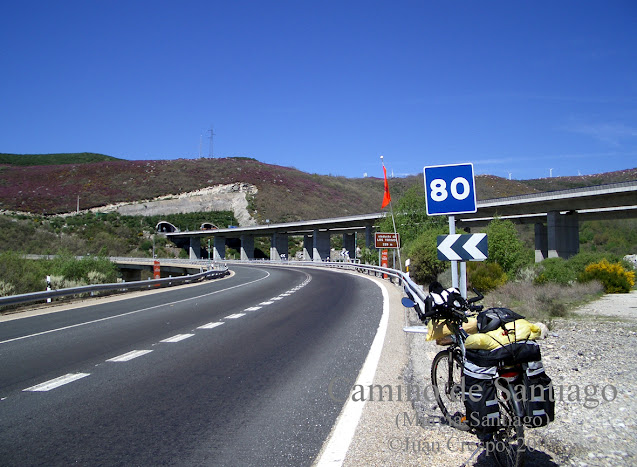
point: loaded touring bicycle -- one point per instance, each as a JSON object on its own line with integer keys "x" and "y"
{"x": 489, "y": 379}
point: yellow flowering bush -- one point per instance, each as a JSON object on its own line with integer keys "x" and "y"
{"x": 613, "y": 276}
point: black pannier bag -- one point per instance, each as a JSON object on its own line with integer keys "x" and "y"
{"x": 535, "y": 391}
{"x": 510, "y": 354}
{"x": 538, "y": 397}
{"x": 480, "y": 401}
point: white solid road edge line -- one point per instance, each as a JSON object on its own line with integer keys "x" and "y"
{"x": 57, "y": 382}
{"x": 341, "y": 437}
{"x": 129, "y": 356}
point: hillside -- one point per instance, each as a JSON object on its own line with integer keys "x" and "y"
{"x": 284, "y": 193}
{"x": 53, "y": 159}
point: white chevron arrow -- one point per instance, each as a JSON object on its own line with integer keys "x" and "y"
{"x": 471, "y": 247}
{"x": 445, "y": 248}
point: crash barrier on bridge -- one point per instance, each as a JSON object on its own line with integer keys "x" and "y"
{"x": 120, "y": 286}
{"x": 415, "y": 291}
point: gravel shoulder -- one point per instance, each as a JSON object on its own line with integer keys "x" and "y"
{"x": 590, "y": 358}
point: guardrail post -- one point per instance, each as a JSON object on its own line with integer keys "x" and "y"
{"x": 48, "y": 287}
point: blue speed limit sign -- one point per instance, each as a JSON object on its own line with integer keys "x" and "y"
{"x": 450, "y": 189}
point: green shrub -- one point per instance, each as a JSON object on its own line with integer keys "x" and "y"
{"x": 485, "y": 276}
{"x": 613, "y": 276}
{"x": 6, "y": 289}
{"x": 22, "y": 275}
{"x": 555, "y": 270}
{"x": 73, "y": 269}
{"x": 583, "y": 259}
{"x": 505, "y": 247}
{"x": 368, "y": 256}
{"x": 423, "y": 253}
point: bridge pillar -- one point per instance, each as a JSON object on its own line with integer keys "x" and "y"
{"x": 308, "y": 247}
{"x": 279, "y": 246}
{"x": 541, "y": 242}
{"x": 349, "y": 243}
{"x": 219, "y": 250}
{"x": 563, "y": 234}
{"x": 321, "y": 247}
{"x": 195, "y": 248}
{"x": 369, "y": 237}
{"x": 247, "y": 247}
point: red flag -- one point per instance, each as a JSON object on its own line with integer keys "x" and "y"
{"x": 386, "y": 198}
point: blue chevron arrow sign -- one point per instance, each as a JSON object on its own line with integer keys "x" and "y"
{"x": 469, "y": 247}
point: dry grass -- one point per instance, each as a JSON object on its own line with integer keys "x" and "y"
{"x": 543, "y": 302}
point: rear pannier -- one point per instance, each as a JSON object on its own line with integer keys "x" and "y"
{"x": 480, "y": 401}
{"x": 537, "y": 396}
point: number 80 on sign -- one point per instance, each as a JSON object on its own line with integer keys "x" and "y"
{"x": 450, "y": 189}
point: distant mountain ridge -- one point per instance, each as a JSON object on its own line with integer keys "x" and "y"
{"x": 51, "y": 184}
{"x": 54, "y": 159}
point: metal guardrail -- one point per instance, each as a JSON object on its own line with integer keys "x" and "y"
{"x": 35, "y": 296}
{"x": 415, "y": 292}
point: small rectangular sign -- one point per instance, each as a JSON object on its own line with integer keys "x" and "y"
{"x": 387, "y": 240}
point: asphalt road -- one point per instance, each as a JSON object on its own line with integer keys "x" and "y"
{"x": 231, "y": 372}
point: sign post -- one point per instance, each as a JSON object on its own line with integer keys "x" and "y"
{"x": 450, "y": 190}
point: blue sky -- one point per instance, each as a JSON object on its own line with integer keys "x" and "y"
{"x": 517, "y": 88}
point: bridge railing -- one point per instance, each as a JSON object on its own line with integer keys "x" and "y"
{"x": 213, "y": 273}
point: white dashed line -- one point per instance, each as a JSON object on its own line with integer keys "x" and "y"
{"x": 177, "y": 338}
{"x": 277, "y": 298}
{"x": 253, "y": 308}
{"x": 57, "y": 382}
{"x": 129, "y": 356}
{"x": 235, "y": 316}
{"x": 210, "y": 325}
{"x": 266, "y": 303}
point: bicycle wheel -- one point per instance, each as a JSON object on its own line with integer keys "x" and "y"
{"x": 446, "y": 380}
{"x": 508, "y": 447}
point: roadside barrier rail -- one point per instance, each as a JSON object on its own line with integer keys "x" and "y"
{"x": 412, "y": 289}
{"x": 213, "y": 273}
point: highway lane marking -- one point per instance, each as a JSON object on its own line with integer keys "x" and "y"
{"x": 277, "y": 298}
{"x": 132, "y": 312}
{"x": 343, "y": 432}
{"x": 266, "y": 303}
{"x": 177, "y": 338}
{"x": 210, "y": 325}
{"x": 129, "y": 356}
{"x": 235, "y": 316}
{"x": 253, "y": 308}
{"x": 57, "y": 382}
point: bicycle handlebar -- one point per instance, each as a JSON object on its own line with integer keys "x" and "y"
{"x": 455, "y": 309}
{"x": 450, "y": 310}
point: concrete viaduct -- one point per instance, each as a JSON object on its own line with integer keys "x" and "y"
{"x": 316, "y": 237}
{"x": 556, "y": 216}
